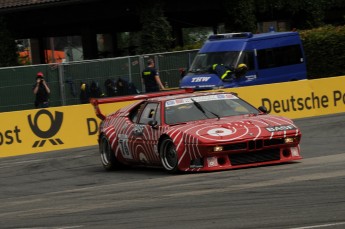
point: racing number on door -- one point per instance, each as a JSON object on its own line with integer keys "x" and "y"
{"x": 123, "y": 142}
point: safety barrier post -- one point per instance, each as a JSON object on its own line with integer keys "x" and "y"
{"x": 62, "y": 84}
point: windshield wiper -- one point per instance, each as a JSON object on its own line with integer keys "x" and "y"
{"x": 177, "y": 123}
{"x": 202, "y": 109}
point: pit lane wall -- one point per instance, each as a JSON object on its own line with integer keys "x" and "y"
{"x": 56, "y": 128}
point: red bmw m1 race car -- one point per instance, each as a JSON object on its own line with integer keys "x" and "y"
{"x": 193, "y": 131}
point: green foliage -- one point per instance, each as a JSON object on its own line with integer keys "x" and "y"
{"x": 156, "y": 30}
{"x": 8, "y": 54}
{"x": 128, "y": 43}
{"x": 303, "y": 14}
{"x": 196, "y": 45}
{"x": 240, "y": 16}
{"x": 196, "y": 35}
{"x": 313, "y": 12}
{"x": 324, "y": 48}
{"x": 194, "y": 38}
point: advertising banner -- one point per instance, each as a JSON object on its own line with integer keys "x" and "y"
{"x": 41, "y": 130}
{"x": 298, "y": 99}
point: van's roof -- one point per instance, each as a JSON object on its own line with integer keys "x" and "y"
{"x": 224, "y": 42}
{"x": 259, "y": 36}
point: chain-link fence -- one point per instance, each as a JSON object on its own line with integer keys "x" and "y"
{"x": 64, "y": 80}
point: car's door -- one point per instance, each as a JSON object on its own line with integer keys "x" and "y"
{"x": 144, "y": 136}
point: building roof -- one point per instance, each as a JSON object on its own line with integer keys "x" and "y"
{"x": 19, "y": 3}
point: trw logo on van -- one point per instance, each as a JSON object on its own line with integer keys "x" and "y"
{"x": 200, "y": 79}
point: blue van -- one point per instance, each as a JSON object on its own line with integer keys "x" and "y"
{"x": 270, "y": 57}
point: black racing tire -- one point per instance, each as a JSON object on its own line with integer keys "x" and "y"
{"x": 169, "y": 156}
{"x": 108, "y": 158}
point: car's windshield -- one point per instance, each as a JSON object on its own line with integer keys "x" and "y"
{"x": 213, "y": 106}
{"x": 203, "y": 61}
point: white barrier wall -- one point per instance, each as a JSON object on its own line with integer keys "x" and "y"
{"x": 41, "y": 130}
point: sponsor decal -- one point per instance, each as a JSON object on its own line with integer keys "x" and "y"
{"x": 280, "y": 128}
{"x": 200, "y": 79}
{"x": 170, "y": 103}
{"x": 92, "y": 126}
{"x": 251, "y": 77}
{"x": 123, "y": 141}
{"x": 138, "y": 129}
{"x": 199, "y": 99}
{"x": 8, "y": 137}
{"x": 212, "y": 161}
{"x": 311, "y": 102}
{"x": 226, "y": 96}
{"x": 219, "y": 132}
{"x": 55, "y": 125}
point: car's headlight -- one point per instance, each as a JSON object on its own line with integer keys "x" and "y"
{"x": 290, "y": 140}
{"x": 218, "y": 148}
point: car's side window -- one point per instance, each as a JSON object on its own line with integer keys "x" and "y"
{"x": 158, "y": 115}
{"x": 133, "y": 115}
{"x": 150, "y": 112}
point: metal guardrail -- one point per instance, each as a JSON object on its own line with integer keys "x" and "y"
{"x": 65, "y": 79}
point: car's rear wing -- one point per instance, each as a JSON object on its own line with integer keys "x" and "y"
{"x": 97, "y": 101}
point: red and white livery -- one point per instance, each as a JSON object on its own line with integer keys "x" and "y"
{"x": 194, "y": 131}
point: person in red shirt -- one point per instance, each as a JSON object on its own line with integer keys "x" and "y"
{"x": 41, "y": 91}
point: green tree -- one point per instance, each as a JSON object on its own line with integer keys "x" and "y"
{"x": 194, "y": 38}
{"x": 324, "y": 49}
{"x": 307, "y": 13}
{"x": 240, "y": 15}
{"x": 8, "y": 47}
{"x": 302, "y": 14}
{"x": 156, "y": 33}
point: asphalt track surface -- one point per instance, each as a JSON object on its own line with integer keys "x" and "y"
{"x": 70, "y": 189}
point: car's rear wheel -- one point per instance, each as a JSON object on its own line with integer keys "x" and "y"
{"x": 108, "y": 158}
{"x": 168, "y": 155}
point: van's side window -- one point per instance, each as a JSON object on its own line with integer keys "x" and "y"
{"x": 281, "y": 56}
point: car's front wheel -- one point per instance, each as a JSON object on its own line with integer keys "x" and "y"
{"x": 108, "y": 158}
{"x": 168, "y": 155}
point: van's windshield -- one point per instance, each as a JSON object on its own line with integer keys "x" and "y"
{"x": 203, "y": 61}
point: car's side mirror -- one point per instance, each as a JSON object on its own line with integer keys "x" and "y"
{"x": 153, "y": 123}
{"x": 263, "y": 109}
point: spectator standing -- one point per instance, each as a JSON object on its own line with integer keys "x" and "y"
{"x": 41, "y": 91}
{"x": 84, "y": 93}
{"x": 182, "y": 72}
{"x": 95, "y": 90}
{"x": 110, "y": 87}
{"x": 125, "y": 88}
{"x": 150, "y": 78}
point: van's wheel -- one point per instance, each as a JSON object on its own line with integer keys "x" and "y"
{"x": 168, "y": 155}
{"x": 108, "y": 158}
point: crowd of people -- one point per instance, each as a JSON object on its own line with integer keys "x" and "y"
{"x": 112, "y": 87}
{"x": 149, "y": 77}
